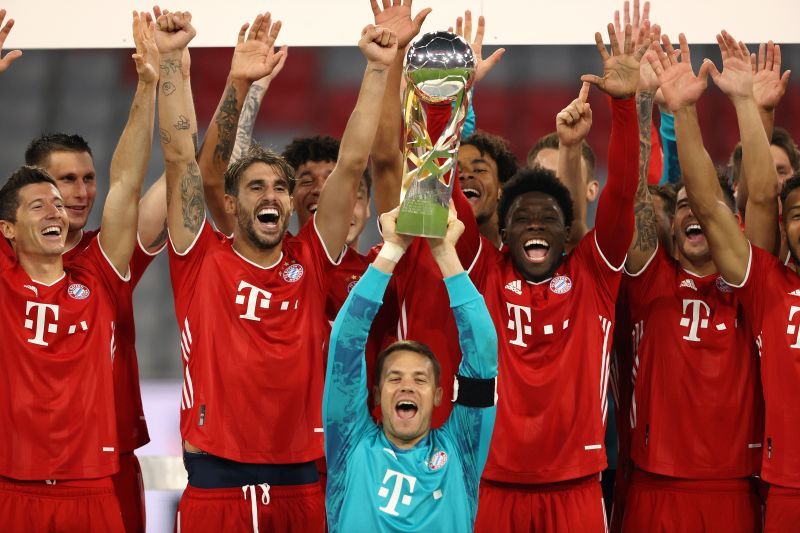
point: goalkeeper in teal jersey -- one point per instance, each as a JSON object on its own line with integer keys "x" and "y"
{"x": 401, "y": 475}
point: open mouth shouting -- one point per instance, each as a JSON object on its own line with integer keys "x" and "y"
{"x": 312, "y": 208}
{"x": 694, "y": 233}
{"x": 473, "y": 195}
{"x": 405, "y": 409}
{"x": 268, "y": 217}
{"x": 536, "y": 250}
{"x": 52, "y": 232}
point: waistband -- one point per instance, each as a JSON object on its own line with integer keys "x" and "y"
{"x": 279, "y": 492}
{"x": 648, "y": 479}
{"x": 52, "y": 487}
{"x": 208, "y": 471}
{"x": 567, "y": 484}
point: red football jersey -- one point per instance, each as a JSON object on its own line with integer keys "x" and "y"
{"x": 697, "y": 410}
{"x": 57, "y": 398}
{"x": 131, "y": 426}
{"x": 554, "y": 347}
{"x": 252, "y": 342}
{"x": 770, "y": 297}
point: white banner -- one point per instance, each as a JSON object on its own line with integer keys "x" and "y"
{"x": 106, "y": 24}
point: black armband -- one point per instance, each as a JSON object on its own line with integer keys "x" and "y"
{"x": 474, "y": 392}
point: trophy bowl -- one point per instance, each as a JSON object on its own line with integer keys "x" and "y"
{"x": 440, "y": 65}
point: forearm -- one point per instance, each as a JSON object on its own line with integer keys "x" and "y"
{"x": 672, "y": 169}
{"x": 645, "y": 237}
{"x": 614, "y": 221}
{"x": 247, "y": 120}
{"x": 571, "y": 175}
{"x": 386, "y": 156}
{"x": 767, "y": 117}
{"x": 476, "y": 333}
{"x": 699, "y": 175}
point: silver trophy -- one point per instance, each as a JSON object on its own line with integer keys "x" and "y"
{"x": 440, "y": 67}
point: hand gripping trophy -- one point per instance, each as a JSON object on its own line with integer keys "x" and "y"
{"x": 440, "y": 67}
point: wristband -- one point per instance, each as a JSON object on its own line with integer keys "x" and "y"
{"x": 391, "y": 252}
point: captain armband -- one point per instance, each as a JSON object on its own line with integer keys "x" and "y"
{"x": 475, "y": 392}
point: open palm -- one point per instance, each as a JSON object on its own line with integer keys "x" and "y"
{"x": 254, "y": 56}
{"x": 397, "y": 17}
{"x": 621, "y": 67}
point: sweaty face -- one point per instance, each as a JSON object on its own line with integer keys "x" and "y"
{"x": 42, "y": 222}
{"x": 689, "y": 237}
{"x": 263, "y": 207}
{"x": 791, "y": 223}
{"x": 547, "y": 158}
{"x": 479, "y": 181}
{"x": 782, "y": 164}
{"x": 75, "y": 176}
{"x": 535, "y": 234}
{"x": 408, "y": 394}
{"x": 309, "y": 178}
{"x": 360, "y": 214}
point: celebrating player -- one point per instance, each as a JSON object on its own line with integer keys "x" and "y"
{"x": 403, "y": 476}
{"x": 65, "y": 437}
{"x": 270, "y": 291}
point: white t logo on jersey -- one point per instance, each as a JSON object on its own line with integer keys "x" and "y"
{"x": 694, "y": 321}
{"x": 255, "y": 298}
{"x": 397, "y": 491}
{"x": 792, "y": 329}
{"x": 39, "y": 321}
{"x": 515, "y": 313}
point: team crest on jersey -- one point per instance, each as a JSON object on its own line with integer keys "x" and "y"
{"x": 292, "y": 273}
{"x": 722, "y": 286}
{"x": 354, "y": 279}
{"x": 437, "y": 460}
{"x": 561, "y": 284}
{"x": 78, "y": 291}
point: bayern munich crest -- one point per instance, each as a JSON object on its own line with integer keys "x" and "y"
{"x": 293, "y": 273}
{"x": 437, "y": 460}
{"x": 722, "y": 286}
{"x": 78, "y": 291}
{"x": 560, "y": 284}
{"x": 351, "y": 285}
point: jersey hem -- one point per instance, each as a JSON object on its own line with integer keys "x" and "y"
{"x": 127, "y": 276}
{"x": 644, "y": 267}
{"x": 746, "y": 272}
{"x": 191, "y": 245}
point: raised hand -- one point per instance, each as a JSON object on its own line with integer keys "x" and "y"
{"x": 679, "y": 85}
{"x": 769, "y": 85}
{"x": 396, "y": 16}
{"x": 574, "y": 121}
{"x": 173, "y": 31}
{"x": 464, "y": 29}
{"x": 648, "y": 81}
{"x": 13, "y": 55}
{"x": 254, "y": 57}
{"x": 388, "y": 229}
{"x": 621, "y": 68}
{"x": 736, "y": 78}
{"x": 636, "y": 22}
{"x": 146, "y": 57}
{"x": 455, "y": 228}
{"x": 378, "y": 45}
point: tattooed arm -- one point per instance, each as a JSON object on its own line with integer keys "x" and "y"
{"x": 253, "y": 59}
{"x": 129, "y": 162}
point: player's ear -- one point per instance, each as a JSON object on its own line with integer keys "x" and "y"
{"x": 591, "y": 190}
{"x": 437, "y": 397}
{"x": 8, "y": 229}
{"x": 230, "y": 204}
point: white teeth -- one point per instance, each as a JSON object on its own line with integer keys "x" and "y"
{"x": 471, "y": 191}
{"x": 312, "y": 208}
{"x": 268, "y": 211}
{"x": 692, "y": 227}
{"x": 540, "y": 242}
{"x": 51, "y": 230}
{"x": 405, "y": 403}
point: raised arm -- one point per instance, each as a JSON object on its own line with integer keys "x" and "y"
{"x": 572, "y": 126}
{"x": 736, "y": 81}
{"x": 614, "y": 222}
{"x": 253, "y": 58}
{"x": 132, "y": 154}
{"x": 386, "y": 156}
{"x": 682, "y": 89}
{"x": 338, "y": 195}
{"x": 13, "y": 55}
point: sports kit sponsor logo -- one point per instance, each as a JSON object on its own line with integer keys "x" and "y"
{"x": 437, "y": 460}
{"x": 689, "y": 284}
{"x": 292, "y": 273}
{"x": 78, "y": 291}
{"x": 394, "y": 492}
{"x": 561, "y": 284}
{"x": 32, "y": 288}
{"x": 515, "y": 287}
{"x": 795, "y": 292}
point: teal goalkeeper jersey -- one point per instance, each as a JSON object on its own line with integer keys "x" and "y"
{"x": 374, "y": 486}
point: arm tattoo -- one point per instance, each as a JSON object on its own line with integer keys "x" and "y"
{"x": 166, "y": 138}
{"x": 644, "y": 214}
{"x": 226, "y": 122}
{"x": 182, "y": 123}
{"x": 192, "y": 206}
{"x": 196, "y": 143}
{"x": 171, "y": 66}
{"x": 247, "y": 121}
{"x": 159, "y": 241}
{"x": 167, "y": 88}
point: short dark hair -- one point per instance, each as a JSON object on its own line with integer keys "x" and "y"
{"x": 781, "y": 139}
{"x": 317, "y": 148}
{"x": 41, "y": 147}
{"x": 498, "y": 149}
{"x": 666, "y": 193}
{"x": 409, "y": 346}
{"x": 724, "y": 184}
{"x": 9, "y": 194}
{"x": 256, "y": 154}
{"x": 790, "y": 185}
{"x": 535, "y": 180}
{"x": 551, "y": 141}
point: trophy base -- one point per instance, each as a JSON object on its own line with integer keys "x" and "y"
{"x": 422, "y": 217}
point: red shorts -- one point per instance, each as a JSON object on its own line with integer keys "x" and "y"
{"x": 573, "y": 506}
{"x": 783, "y": 510}
{"x": 661, "y": 503}
{"x": 129, "y": 489}
{"x": 252, "y": 508}
{"x": 65, "y": 507}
